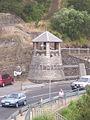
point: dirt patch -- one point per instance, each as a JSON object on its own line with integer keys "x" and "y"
{"x": 24, "y": 3}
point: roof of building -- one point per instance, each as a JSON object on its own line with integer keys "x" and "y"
{"x": 46, "y": 37}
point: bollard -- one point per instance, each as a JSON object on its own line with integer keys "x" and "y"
{"x": 13, "y": 118}
{"x": 65, "y": 99}
{"x": 20, "y": 112}
{"x": 30, "y": 115}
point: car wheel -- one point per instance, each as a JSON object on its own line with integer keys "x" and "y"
{"x": 2, "y": 105}
{"x": 17, "y": 105}
{"x": 24, "y": 103}
{"x": 3, "y": 84}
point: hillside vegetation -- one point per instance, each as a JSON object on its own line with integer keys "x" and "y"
{"x": 72, "y": 22}
{"x": 29, "y": 10}
{"x": 68, "y": 19}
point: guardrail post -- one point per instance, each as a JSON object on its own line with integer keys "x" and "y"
{"x": 69, "y": 50}
{"x": 20, "y": 112}
{"x": 79, "y": 51}
{"x": 87, "y": 51}
{"x": 13, "y": 118}
{"x": 65, "y": 98}
{"x": 78, "y": 92}
{"x": 31, "y": 115}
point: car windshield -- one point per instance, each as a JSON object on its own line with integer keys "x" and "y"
{"x": 83, "y": 80}
{"x": 13, "y": 96}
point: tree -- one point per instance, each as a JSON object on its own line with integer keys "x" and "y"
{"x": 11, "y": 6}
{"x": 82, "y": 5}
{"x": 33, "y": 12}
{"x": 71, "y": 23}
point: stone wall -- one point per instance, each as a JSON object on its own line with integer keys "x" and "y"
{"x": 45, "y": 68}
{"x": 71, "y": 60}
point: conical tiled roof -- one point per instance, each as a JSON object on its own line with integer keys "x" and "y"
{"x": 46, "y": 37}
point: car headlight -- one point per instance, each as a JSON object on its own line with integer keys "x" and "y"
{"x": 2, "y": 101}
{"x": 72, "y": 84}
{"x": 81, "y": 85}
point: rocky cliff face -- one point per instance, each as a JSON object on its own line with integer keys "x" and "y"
{"x": 12, "y": 55}
{"x": 7, "y": 18}
{"x": 15, "y": 46}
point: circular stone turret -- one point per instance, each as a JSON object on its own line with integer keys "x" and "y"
{"x": 46, "y": 61}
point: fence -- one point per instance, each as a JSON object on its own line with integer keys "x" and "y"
{"x": 53, "y": 105}
{"x": 78, "y": 51}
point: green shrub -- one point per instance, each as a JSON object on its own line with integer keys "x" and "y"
{"x": 79, "y": 110}
{"x": 81, "y": 5}
{"x": 33, "y": 11}
{"x": 71, "y": 23}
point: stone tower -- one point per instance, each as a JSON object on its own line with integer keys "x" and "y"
{"x": 46, "y": 61}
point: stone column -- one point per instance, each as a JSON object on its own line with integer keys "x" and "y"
{"x": 48, "y": 49}
{"x": 82, "y": 69}
{"x": 34, "y": 48}
{"x": 59, "y": 51}
{"x": 59, "y": 48}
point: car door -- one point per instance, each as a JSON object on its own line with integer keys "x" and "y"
{"x": 22, "y": 98}
{"x": 8, "y": 79}
{"x": 4, "y": 78}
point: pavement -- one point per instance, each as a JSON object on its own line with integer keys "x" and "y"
{"x": 16, "y": 87}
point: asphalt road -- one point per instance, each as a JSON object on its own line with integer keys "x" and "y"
{"x": 32, "y": 96}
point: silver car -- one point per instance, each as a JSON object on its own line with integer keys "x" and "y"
{"x": 81, "y": 83}
{"x": 14, "y": 99}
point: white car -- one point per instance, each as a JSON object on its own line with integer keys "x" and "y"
{"x": 14, "y": 99}
{"x": 81, "y": 83}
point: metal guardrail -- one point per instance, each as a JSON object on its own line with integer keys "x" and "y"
{"x": 75, "y": 48}
{"x": 47, "y": 101}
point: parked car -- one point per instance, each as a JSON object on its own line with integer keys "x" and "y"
{"x": 5, "y": 79}
{"x": 81, "y": 83}
{"x": 14, "y": 99}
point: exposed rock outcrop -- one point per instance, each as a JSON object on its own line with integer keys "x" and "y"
{"x": 7, "y": 18}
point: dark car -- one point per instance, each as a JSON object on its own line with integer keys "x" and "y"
{"x": 6, "y": 79}
{"x": 14, "y": 99}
